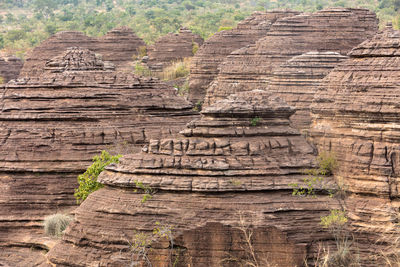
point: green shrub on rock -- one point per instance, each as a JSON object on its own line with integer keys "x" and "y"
{"x": 88, "y": 180}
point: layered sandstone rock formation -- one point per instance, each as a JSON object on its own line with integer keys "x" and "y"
{"x": 52, "y": 125}
{"x": 117, "y": 46}
{"x": 172, "y": 47}
{"x": 204, "y": 67}
{"x": 223, "y": 168}
{"x": 9, "y": 68}
{"x": 356, "y": 116}
{"x": 331, "y": 30}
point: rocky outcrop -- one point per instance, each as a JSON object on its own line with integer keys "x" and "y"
{"x": 204, "y": 67}
{"x": 52, "y": 125}
{"x": 331, "y": 30}
{"x": 172, "y": 47}
{"x": 230, "y": 169}
{"x": 355, "y": 115}
{"x": 10, "y": 67}
{"x": 117, "y": 46}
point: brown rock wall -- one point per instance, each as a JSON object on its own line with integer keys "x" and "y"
{"x": 10, "y": 68}
{"x": 52, "y": 125}
{"x": 219, "y": 172}
{"x": 172, "y": 47}
{"x": 204, "y": 67}
{"x": 355, "y": 114}
{"x": 117, "y": 46}
{"x": 331, "y": 30}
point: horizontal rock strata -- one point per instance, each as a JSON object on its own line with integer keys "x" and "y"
{"x": 117, "y": 46}
{"x": 172, "y": 47}
{"x": 9, "y": 68}
{"x": 226, "y": 171}
{"x": 204, "y": 67}
{"x": 52, "y": 125}
{"x": 355, "y": 115}
{"x": 331, "y": 30}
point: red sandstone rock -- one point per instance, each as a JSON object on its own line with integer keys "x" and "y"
{"x": 331, "y": 30}
{"x": 10, "y": 68}
{"x": 52, "y": 125}
{"x": 204, "y": 67}
{"x": 220, "y": 169}
{"x": 172, "y": 47}
{"x": 117, "y": 46}
{"x": 355, "y": 115}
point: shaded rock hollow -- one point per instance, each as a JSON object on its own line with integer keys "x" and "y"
{"x": 330, "y": 30}
{"x": 204, "y": 67}
{"x": 218, "y": 169}
{"x": 52, "y": 125}
{"x": 355, "y": 115}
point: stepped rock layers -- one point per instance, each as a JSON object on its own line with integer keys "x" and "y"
{"x": 204, "y": 67}
{"x": 355, "y": 114}
{"x": 172, "y": 47}
{"x": 9, "y": 68}
{"x": 117, "y": 46}
{"x": 51, "y": 126}
{"x": 297, "y": 80}
{"x": 219, "y": 170}
{"x": 335, "y": 30}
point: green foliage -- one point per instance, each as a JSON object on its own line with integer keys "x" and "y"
{"x": 254, "y": 121}
{"x": 147, "y": 190}
{"x": 195, "y": 47}
{"x": 327, "y": 163}
{"x": 335, "y": 220}
{"x": 88, "y": 180}
{"x": 178, "y": 69}
{"x": 142, "y": 70}
{"x": 198, "y": 106}
{"x": 54, "y": 225}
{"x": 224, "y": 28}
{"x": 1, "y": 80}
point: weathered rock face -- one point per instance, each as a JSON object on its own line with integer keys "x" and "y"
{"x": 331, "y": 30}
{"x": 219, "y": 171}
{"x": 297, "y": 80}
{"x": 117, "y": 46}
{"x": 204, "y": 67}
{"x": 356, "y": 115}
{"x": 10, "y": 68}
{"x": 172, "y": 47}
{"x": 52, "y": 125}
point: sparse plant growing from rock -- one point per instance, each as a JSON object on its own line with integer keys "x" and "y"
{"x": 142, "y": 70}
{"x": 147, "y": 190}
{"x": 178, "y": 69}
{"x": 254, "y": 121}
{"x": 198, "y": 106}
{"x": 88, "y": 180}
{"x": 55, "y": 225}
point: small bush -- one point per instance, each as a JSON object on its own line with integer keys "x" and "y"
{"x": 327, "y": 163}
{"x": 88, "y": 180}
{"x": 198, "y": 106}
{"x": 254, "y": 121}
{"x": 178, "y": 69}
{"x": 224, "y": 28}
{"x": 195, "y": 47}
{"x": 142, "y": 51}
{"x": 55, "y": 225}
{"x": 1, "y": 80}
{"x": 142, "y": 70}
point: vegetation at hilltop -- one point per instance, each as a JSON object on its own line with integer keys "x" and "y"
{"x": 24, "y": 24}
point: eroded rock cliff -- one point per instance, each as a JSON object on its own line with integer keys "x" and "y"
{"x": 331, "y": 30}
{"x": 204, "y": 67}
{"x": 172, "y": 47}
{"x": 10, "y": 67}
{"x": 117, "y": 46}
{"x": 355, "y": 114}
{"x": 52, "y": 125}
{"x": 234, "y": 164}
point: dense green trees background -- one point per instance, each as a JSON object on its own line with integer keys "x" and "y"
{"x": 25, "y": 23}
